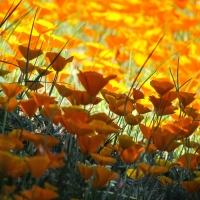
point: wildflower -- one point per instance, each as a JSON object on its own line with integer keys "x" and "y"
{"x": 90, "y": 143}
{"x": 131, "y": 154}
{"x": 152, "y": 171}
{"x": 135, "y": 174}
{"x": 93, "y": 82}
{"x": 36, "y": 193}
{"x": 103, "y": 160}
{"x": 161, "y": 87}
{"x": 57, "y": 61}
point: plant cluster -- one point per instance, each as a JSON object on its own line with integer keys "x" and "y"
{"x": 94, "y": 101}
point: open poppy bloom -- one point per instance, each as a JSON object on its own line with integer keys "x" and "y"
{"x": 22, "y": 66}
{"x": 191, "y": 186}
{"x": 125, "y": 141}
{"x": 52, "y": 112}
{"x": 133, "y": 120}
{"x": 165, "y": 181}
{"x": 32, "y": 53}
{"x": 102, "y": 176}
{"x": 141, "y": 109}
{"x": 137, "y": 94}
{"x": 83, "y": 98}
{"x": 102, "y": 128}
{"x": 12, "y": 89}
{"x": 135, "y": 174}
{"x": 8, "y": 104}
{"x": 152, "y": 171}
{"x": 75, "y": 119}
{"x": 11, "y": 165}
{"x": 42, "y": 99}
{"x": 90, "y": 143}
{"x": 32, "y": 163}
{"x": 28, "y": 106}
{"x": 164, "y": 141}
{"x": 159, "y": 103}
{"x": 161, "y": 87}
{"x": 189, "y": 161}
{"x": 36, "y": 193}
{"x": 187, "y": 127}
{"x": 57, "y": 61}
{"x": 86, "y": 171}
{"x": 119, "y": 107}
{"x": 103, "y": 160}
{"x": 93, "y": 82}
{"x": 37, "y": 139}
{"x": 186, "y": 98}
{"x": 146, "y": 131}
{"x": 130, "y": 154}
{"x": 164, "y": 163}
{"x": 63, "y": 90}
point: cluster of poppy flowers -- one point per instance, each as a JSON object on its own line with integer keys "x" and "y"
{"x": 167, "y": 119}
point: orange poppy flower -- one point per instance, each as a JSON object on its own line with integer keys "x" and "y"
{"x": 165, "y": 181}
{"x": 8, "y": 104}
{"x": 146, "y": 131}
{"x": 41, "y": 70}
{"x": 102, "y": 176}
{"x": 90, "y": 143}
{"x": 133, "y": 120}
{"x": 28, "y": 106}
{"x": 43, "y": 26}
{"x": 141, "y": 109}
{"x": 164, "y": 141}
{"x": 181, "y": 3}
{"x": 22, "y": 66}
{"x": 103, "y": 160}
{"x": 164, "y": 163}
{"x": 186, "y": 98}
{"x": 137, "y": 94}
{"x": 135, "y": 174}
{"x": 161, "y": 87}
{"x": 189, "y": 161}
{"x": 52, "y": 112}
{"x": 130, "y": 154}
{"x": 12, "y": 89}
{"x": 75, "y": 119}
{"x": 152, "y": 171}
{"x": 63, "y": 90}
{"x": 188, "y": 127}
{"x": 103, "y": 128}
{"x": 190, "y": 186}
{"x": 37, "y": 139}
{"x": 83, "y": 98}
{"x": 11, "y": 165}
{"x": 168, "y": 110}
{"x": 86, "y": 171}
{"x": 32, "y": 53}
{"x": 150, "y": 148}
{"x": 32, "y": 163}
{"x": 42, "y": 99}
{"x": 106, "y": 151}
{"x": 32, "y": 85}
{"x": 125, "y": 141}
{"x": 8, "y": 143}
{"x": 36, "y": 193}
{"x": 93, "y": 82}
{"x": 118, "y": 106}
{"x": 59, "y": 63}
{"x": 103, "y": 117}
{"x": 158, "y": 103}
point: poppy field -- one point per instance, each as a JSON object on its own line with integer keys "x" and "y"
{"x": 99, "y": 99}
